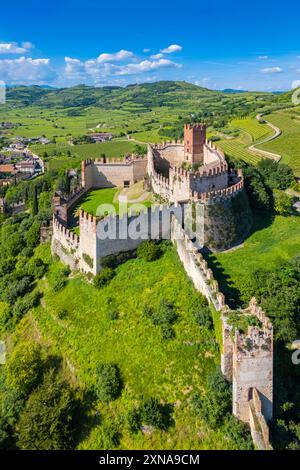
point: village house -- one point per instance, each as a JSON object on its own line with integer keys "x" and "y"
{"x": 99, "y": 137}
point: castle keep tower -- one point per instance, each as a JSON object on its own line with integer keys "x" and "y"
{"x": 194, "y": 140}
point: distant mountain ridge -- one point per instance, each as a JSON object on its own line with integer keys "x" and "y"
{"x": 137, "y": 96}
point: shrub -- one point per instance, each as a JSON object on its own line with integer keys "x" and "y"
{"x": 164, "y": 317}
{"x": 58, "y": 278}
{"x": 149, "y": 251}
{"x": 110, "y": 436}
{"x": 108, "y": 382}
{"x": 238, "y": 433}
{"x": 104, "y": 277}
{"x": 153, "y": 413}
{"x": 47, "y": 422}
{"x": 203, "y": 317}
{"x": 112, "y": 314}
{"x": 25, "y": 367}
{"x": 133, "y": 421}
{"x": 215, "y": 404}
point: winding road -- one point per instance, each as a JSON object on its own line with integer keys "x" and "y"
{"x": 264, "y": 153}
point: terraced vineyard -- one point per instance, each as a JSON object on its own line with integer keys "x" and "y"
{"x": 253, "y": 127}
{"x": 288, "y": 144}
{"x": 250, "y": 131}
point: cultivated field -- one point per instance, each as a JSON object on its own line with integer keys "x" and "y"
{"x": 288, "y": 144}
{"x": 250, "y": 132}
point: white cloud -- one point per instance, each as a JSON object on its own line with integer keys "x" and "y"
{"x": 15, "y": 48}
{"x": 171, "y": 48}
{"x": 270, "y": 70}
{"x": 94, "y": 70}
{"x": 295, "y": 84}
{"x": 118, "y": 56}
{"x": 263, "y": 57}
{"x": 26, "y": 70}
{"x": 202, "y": 81}
{"x": 156, "y": 56}
{"x": 146, "y": 50}
{"x": 146, "y": 66}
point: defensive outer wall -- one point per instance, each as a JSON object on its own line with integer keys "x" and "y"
{"x": 246, "y": 357}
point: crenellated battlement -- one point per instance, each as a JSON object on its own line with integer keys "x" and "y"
{"x": 64, "y": 233}
{"x": 215, "y": 196}
{"x": 86, "y": 217}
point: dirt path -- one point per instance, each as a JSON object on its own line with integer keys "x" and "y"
{"x": 264, "y": 153}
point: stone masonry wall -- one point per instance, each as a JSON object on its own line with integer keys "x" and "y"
{"x": 100, "y": 174}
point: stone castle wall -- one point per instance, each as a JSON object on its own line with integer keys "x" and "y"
{"x": 101, "y": 174}
{"x": 175, "y": 184}
{"x": 246, "y": 358}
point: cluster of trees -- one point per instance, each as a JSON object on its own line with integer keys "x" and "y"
{"x": 39, "y": 409}
{"x": 150, "y": 412}
{"x": 19, "y": 269}
{"x": 265, "y": 184}
{"x": 36, "y": 194}
{"x": 214, "y": 408}
{"x": 278, "y": 292}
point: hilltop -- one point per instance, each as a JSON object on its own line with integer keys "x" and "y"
{"x": 164, "y": 93}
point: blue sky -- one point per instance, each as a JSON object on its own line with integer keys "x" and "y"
{"x": 217, "y": 44}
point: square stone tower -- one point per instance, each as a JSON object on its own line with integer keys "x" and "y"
{"x": 194, "y": 140}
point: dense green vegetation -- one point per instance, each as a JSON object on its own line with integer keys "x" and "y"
{"x": 151, "y": 387}
{"x": 131, "y": 360}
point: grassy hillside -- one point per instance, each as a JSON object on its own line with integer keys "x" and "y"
{"x": 270, "y": 242}
{"x": 288, "y": 144}
{"x": 248, "y": 131}
{"x": 75, "y": 324}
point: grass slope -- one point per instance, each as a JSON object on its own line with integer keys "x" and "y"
{"x": 169, "y": 370}
{"x": 250, "y": 131}
{"x": 270, "y": 242}
{"x": 288, "y": 144}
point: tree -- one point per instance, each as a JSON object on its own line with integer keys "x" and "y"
{"x": 24, "y": 367}
{"x": 149, "y": 251}
{"x": 35, "y": 206}
{"x": 33, "y": 235}
{"x": 238, "y": 433}
{"x": 203, "y": 317}
{"x": 214, "y": 405}
{"x": 153, "y": 413}
{"x": 104, "y": 277}
{"x": 47, "y": 422}
{"x": 283, "y": 203}
{"x": 276, "y": 175}
{"x": 108, "y": 382}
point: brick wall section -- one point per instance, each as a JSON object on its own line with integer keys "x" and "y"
{"x": 194, "y": 140}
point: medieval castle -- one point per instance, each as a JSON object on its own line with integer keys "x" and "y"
{"x": 193, "y": 172}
